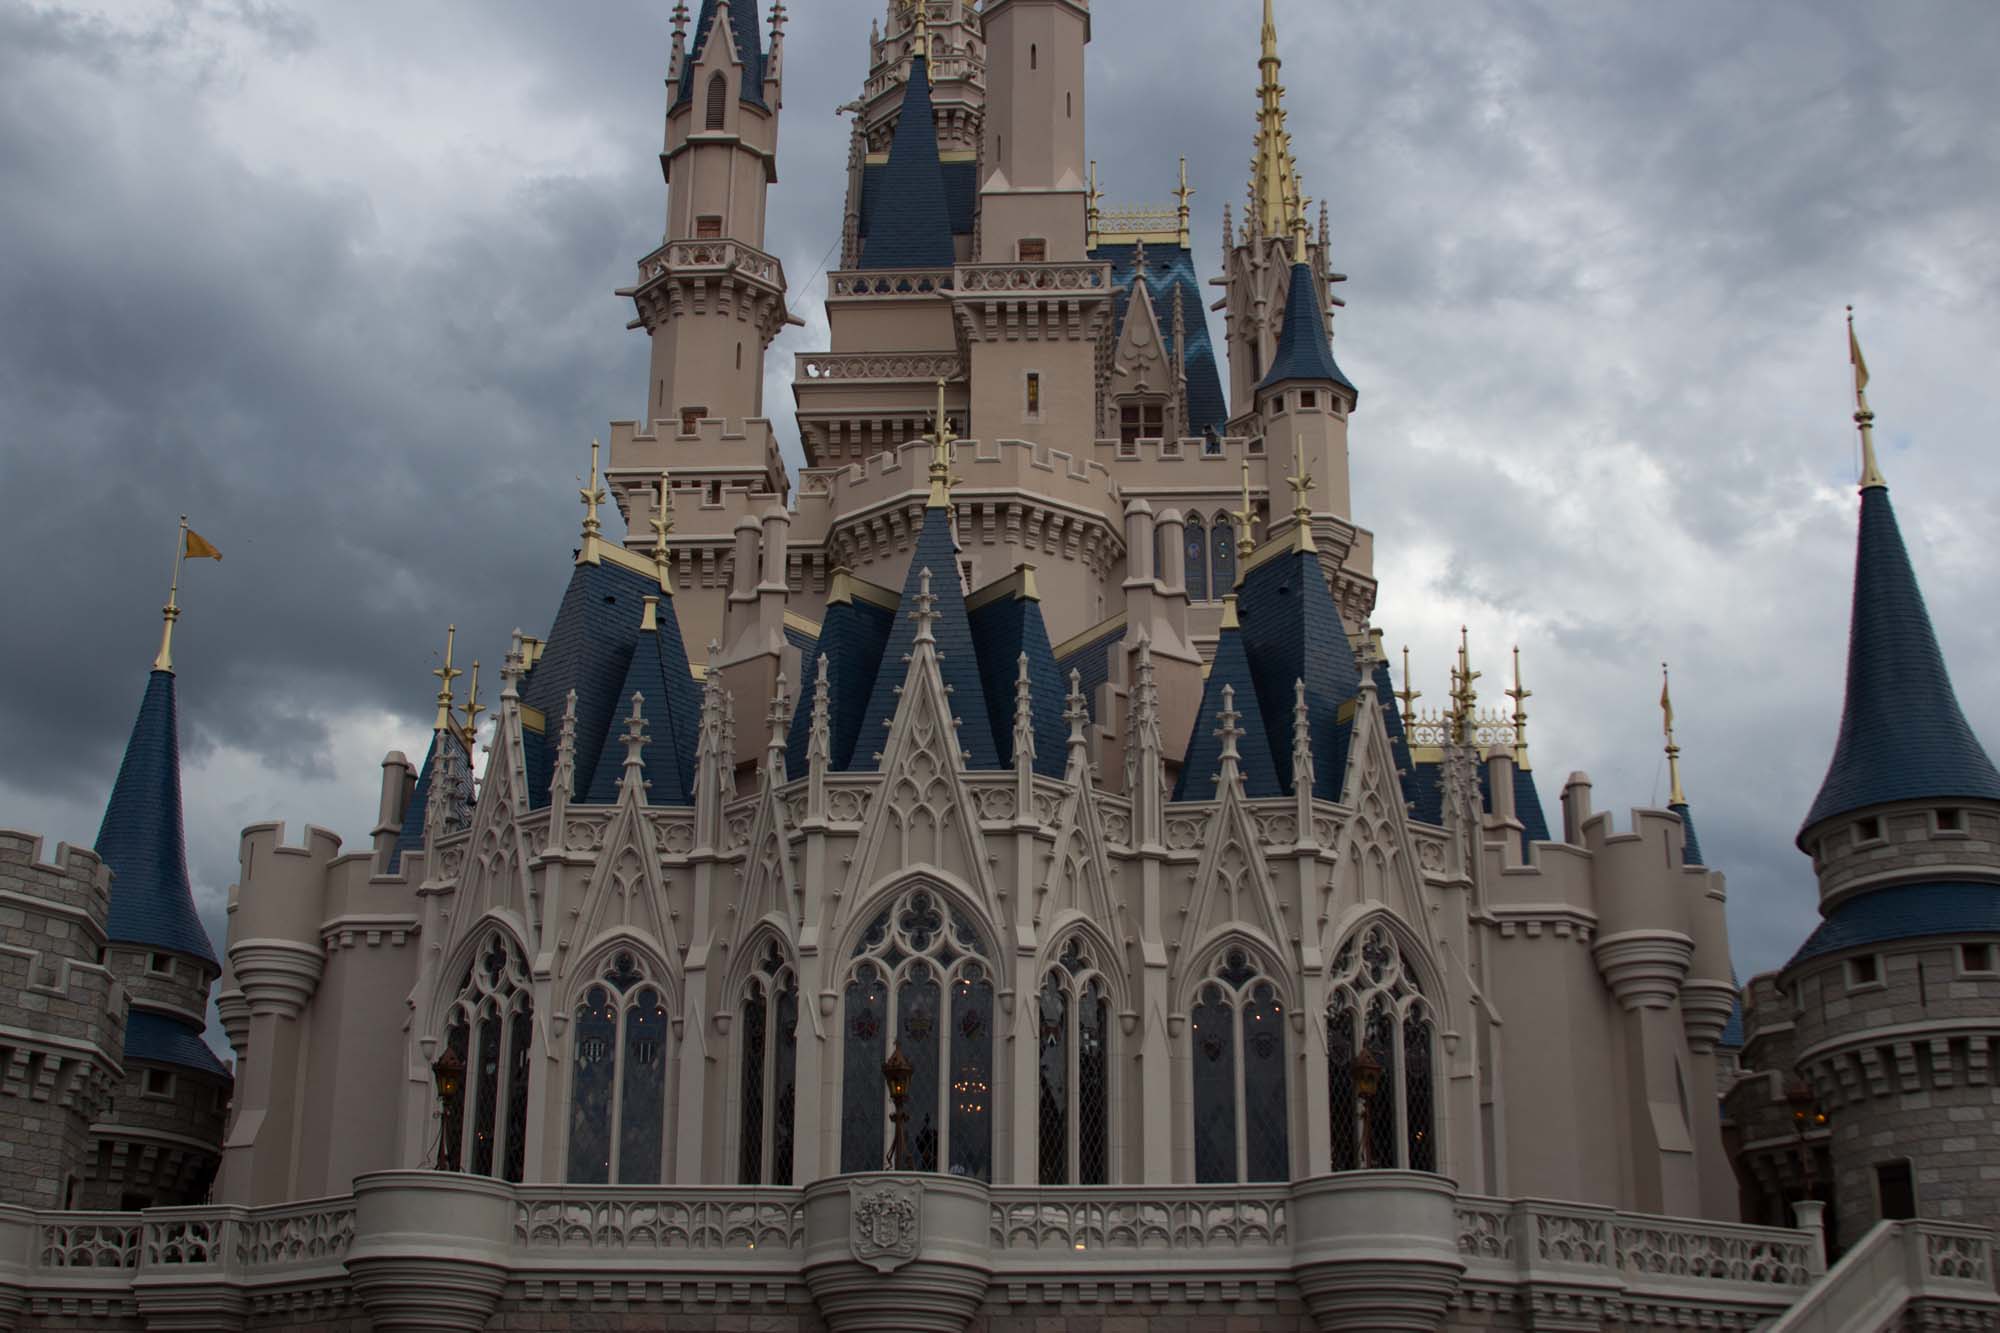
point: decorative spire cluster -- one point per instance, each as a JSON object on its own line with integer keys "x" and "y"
{"x": 1275, "y": 203}
{"x": 446, "y": 674}
{"x": 1520, "y": 695}
{"x": 1246, "y": 519}
{"x": 943, "y": 437}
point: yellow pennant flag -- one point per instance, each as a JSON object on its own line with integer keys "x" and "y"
{"x": 1854, "y": 355}
{"x": 1666, "y": 701}
{"x": 200, "y": 547}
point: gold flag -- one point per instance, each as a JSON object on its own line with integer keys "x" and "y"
{"x": 200, "y": 548}
{"x": 1854, "y": 355}
{"x": 1666, "y": 701}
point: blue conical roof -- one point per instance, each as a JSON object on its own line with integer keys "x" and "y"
{"x": 1204, "y": 750}
{"x": 1691, "y": 842}
{"x": 850, "y": 639}
{"x": 1292, "y": 631}
{"x": 1002, "y": 630}
{"x": 957, "y": 663}
{"x": 749, "y": 45}
{"x": 1903, "y": 736}
{"x": 673, "y": 720}
{"x": 142, "y": 840}
{"x": 1304, "y": 353}
{"x": 913, "y": 222}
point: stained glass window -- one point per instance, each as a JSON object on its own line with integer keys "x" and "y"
{"x": 1195, "y": 542}
{"x": 920, "y": 973}
{"x": 1074, "y": 1097}
{"x": 490, "y": 1026}
{"x": 1222, "y": 555}
{"x": 1378, "y": 1003}
{"x": 750, "y": 1160}
{"x": 1241, "y": 1114}
{"x": 618, "y": 1079}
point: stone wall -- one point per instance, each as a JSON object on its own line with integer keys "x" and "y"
{"x": 61, "y": 1016}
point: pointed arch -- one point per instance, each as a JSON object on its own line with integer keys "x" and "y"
{"x": 488, "y": 1026}
{"x": 1383, "y": 999}
{"x": 591, "y": 960}
{"x": 619, "y": 1048}
{"x": 1263, "y": 952}
{"x": 1237, "y": 1063}
{"x": 764, "y": 991}
{"x": 718, "y": 101}
{"x": 1074, "y": 1006}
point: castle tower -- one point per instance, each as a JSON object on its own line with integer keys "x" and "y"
{"x": 710, "y": 297}
{"x": 1032, "y": 198}
{"x": 160, "y": 1140}
{"x": 1896, "y": 989}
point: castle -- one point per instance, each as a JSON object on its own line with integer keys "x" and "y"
{"x": 1036, "y": 908}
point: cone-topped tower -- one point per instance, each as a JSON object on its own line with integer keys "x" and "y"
{"x": 1905, "y": 840}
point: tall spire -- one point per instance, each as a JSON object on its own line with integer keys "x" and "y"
{"x": 942, "y": 438}
{"x": 142, "y": 838}
{"x": 446, "y": 674}
{"x": 1675, "y": 796}
{"x": 1274, "y": 191}
{"x": 192, "y": 545}
{"x": 1520, "y": 694}
{"x": 1864, "y": 417}
{"x": 1903, "y": 736}
{"x": 912, "y": 220}
{"x": 1246, "y": 519}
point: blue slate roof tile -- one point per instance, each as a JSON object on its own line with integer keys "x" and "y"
{"x": 1304, "y": 352}
{"x": 1171, "y": 268}
{"x": 142, "y": 839}
{"x": 961, "y": 196}
{"x": 671, "y": 731}
{"x": 911, "y": 220}
{"x": 589, "y": 649}
{"x": 958, "y": 664}
{"x": 1197, "y": 781}
{"x": 807, "y": 644}
{"x": 749, "y": 46}
{"x": 1292, "y": 631}
{"x": 1903, "y": 736}
{"x": 1691, "y": 853}
{"x": 156, "y": 1039}
{"x": 850, "y": 638}
{"x": 1732, "y": 1031}
{"x": 1092, "y": 663}
{"x": 411, "y": 836}
{"x": 1906, "y": 911}
{"x": 1001, "y": 631}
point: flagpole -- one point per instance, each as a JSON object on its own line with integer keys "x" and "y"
{"x": 164, "y": 661}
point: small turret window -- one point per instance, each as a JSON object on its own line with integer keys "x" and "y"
{"x": 1308, "y": 398}
{"x": 1975, "y": 957}
{"x": 1948, "y": 821}
{"x": 1034, "y": 250}
{"x": 1034, "y": 395}
{"x": 1868, "y": 830}
{"x": 718, "y": 100}
{"x": 708, "y": 228}
{"x": 1033, "y": 56}
{"x": 1864, "y": 971}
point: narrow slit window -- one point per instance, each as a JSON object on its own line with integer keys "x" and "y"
{"x": 718, "y": 100}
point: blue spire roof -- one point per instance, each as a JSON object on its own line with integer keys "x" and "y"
{"x": 158, "y": 1039}
{"x": 1002, "y": 630}
{"x": 1902, "y": 734}
{"x": 850, "y": 639}
{"x": 673, "y": 719}
{"x": 957, "y": 662}
{"x": 1196, "y": 782}
{"x": 1168, "y": 268}
{"x": 1910, "y": 911}
{"x": 1304, "y": 353}
{"x": 142, "y": 840}
{"x": 1691, "y": 852}
{"x": 912, "y": 220}
{"x": 1292, "y": 631}
{"x": 411, "y": 836}
{"x": 749, "y": 45}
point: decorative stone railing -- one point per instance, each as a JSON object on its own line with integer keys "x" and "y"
{"x": 886, "y": 283}
{"x": 1361, "y": 1250}
{"x": 1033, "y": 279}
{"x": 920, "y": 366}
{"x": 1904, "y": 1275}
{"x": 709, "y": 255}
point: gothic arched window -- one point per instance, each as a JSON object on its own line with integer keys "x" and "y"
{"x": 920, "y": 972}
{"x": 618, "y": 1088}
{"x": 1074, "y": 1037}
{"x": 1222, "y": 559}
{"x": 1195, "y": 543}
{"x": 490, "y": 1027}
{"x": 1378, "y": 1004}
{"x": 718, "y": 100}
{"x": 770, "y": 1059}
{"x": 1238, "y": 1037}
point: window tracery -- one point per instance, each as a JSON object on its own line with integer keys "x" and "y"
{"x": 1237, "y": 1034}
{"x": 618, "y": 1079}
{"x": 920, "y": 972}
{"x": 1074, "y": 1037}
{"x": 769, "y": 1070}
{"x": 1196, "y": 545}
{"x": 490, "y": 1027}
{"x": 1378, "y": 1004}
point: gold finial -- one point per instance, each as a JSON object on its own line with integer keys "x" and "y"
{"x": 446, "y": 674}
{"x": 1464, "y": 697}
{"x": 1092, "y": 212}
{"x": 1301, "y": 484}
{"x": 1246, "y": 519}
{"x": 1274, "y": 179}
{"x": 593, "y": 496}
{"x": 1520, "y": 697}
{"x": 921, "y": 44}
{"x": 473, "y": 708}
{"x": 1183, "y": 194}
{"x": 1406, "y": 694}
{"x": 1675, "y": 795}
{"x": 942, "y": 438}
{"x": 164, "y": 659}
{"x": 662, "y": 521}
{"x": 1229, "y": 620}
{"x": 1864, "y": 418}
{"x": 1300, "y": 228}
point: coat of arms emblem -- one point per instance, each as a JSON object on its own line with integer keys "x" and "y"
{"x": 883, "y": 1233}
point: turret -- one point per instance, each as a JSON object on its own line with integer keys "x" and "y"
{"x": 1033, "y": 195}
{"x": 1304, "y": 400}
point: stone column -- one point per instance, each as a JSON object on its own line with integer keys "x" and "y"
{"x": 1376, "y": 1251}
{"x": 430, "y": 1249}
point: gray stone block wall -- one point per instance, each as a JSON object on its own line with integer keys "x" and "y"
{"x": 1911, "y": 841}
{"x": 61, "y": 1017}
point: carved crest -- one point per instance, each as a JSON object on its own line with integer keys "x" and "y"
{"x": 884, "y": 1226}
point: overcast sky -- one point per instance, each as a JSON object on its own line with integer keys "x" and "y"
{"x": 336, "y": 279}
